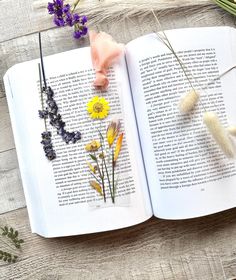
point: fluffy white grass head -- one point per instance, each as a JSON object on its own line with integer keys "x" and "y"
{"x": 188, "y": 101}
{"x": 219, "y": 133}
{"x": 232, "y": 130}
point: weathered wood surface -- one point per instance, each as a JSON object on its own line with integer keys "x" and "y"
{"x": 25, "y": 17}
{"x": 201, "y": 249}
{"x": 195, "y": 249}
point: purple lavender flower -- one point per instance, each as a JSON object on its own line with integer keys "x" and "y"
{"x": 76, "y": 18}
{"x": 49, "y": 92}
{"x": 46, "y": 135}
{"x": 50, "y": 154}
{"x": 66, "y": 8}
{"x": 77, "y": 34}
{"x": 51, "y": 10}
{"x": 47, "y": 145}
{"x": 69, "y": 19}
{"x": 84, "y": 20}
{"x": 43, "y": 114}
{"x": 59, "y": 21}
{"x": 64, "y": 15}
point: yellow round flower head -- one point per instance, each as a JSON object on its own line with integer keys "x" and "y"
{"x": 98, "y": 107}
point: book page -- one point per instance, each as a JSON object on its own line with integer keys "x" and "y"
{"x": 188, "y": 175}
{"x": 59, "y": 197}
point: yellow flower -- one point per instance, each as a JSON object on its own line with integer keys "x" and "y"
{"x": 92, "y": 168}
{"x": 112, "y": 131}
{"x": 93, "y": 146}
{"x": 96, "y": 186}
{"x": 98, "y": 107}
{"x": 118, "y": 146}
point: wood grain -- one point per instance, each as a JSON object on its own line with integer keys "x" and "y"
{"x": 157, "y": 249}
{"x": 201, "y": 249}
{"x": 30, "y": 16}
{"x": 6, "y": 139}
{"x": 11, "y": 192}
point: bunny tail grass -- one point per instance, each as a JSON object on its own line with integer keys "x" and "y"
{"x": 188, "y": 101}
{"x": 219, "y": 133}
{"x": 232, "y": 130}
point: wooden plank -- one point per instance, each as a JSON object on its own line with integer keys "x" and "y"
{"x": 6, "y": 139}
{"x": 31, "y": 16}
{"x": 11, "y": 191}
{"x": 196, "y": 249}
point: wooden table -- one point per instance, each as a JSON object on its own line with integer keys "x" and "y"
{"x": 203, "y": 248}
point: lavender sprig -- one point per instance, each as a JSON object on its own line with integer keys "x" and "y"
{"x": 51, "y": 112}
{"x": 64, "y": 16}
{"x": 56, "y": 120}
{"x": 46, "y": 135}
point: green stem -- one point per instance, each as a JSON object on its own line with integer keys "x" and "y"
{"x": 113, "y": 176}
{"x": 75, "y": 5}
{"x": 102, "y": 143}
{"x": 107, "y": 173}
{"x": 183, "y": 67}
{"x": 102, "y": 178}
{"x": 95, "y": 178}
{"x": 109, "y": 182}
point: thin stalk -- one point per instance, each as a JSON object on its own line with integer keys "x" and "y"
{"x": 95, "y": 177}
{"x": 41, "y": 59}
{"x": 183, "y": 66}
{"x": 75, "y": 5}
{"x": 107, "y": 173}
{"x": 41, "y": 93}
{"x": 103, "y": 184}
{"x": 169, "y": 46}
{"x": 100, "y": 174}
{"x": 113, "y": 176}
{"x": 109, "y": 182}
{"x": 218, "y": 77}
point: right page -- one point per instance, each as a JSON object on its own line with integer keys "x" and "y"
{"x": 187, "y": 173}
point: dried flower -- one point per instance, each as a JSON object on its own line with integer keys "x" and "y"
{"x": 64, "y": 15}
{"x": 93, "y": 168}
{"x": 232, "y": 130}
{"x": 102, "y": 155}
{"x": 98, "y": 107}
{"x": 112, "y": 131}
{"x": 104, "y": 52}
{"x": 219, "y": 133}
{"x": 93, "y": 146}
{"x": 56, "y": 119}
{"x": 43, "y": 114}
{"x": 188, "y": 101}
{"x": 96, "y": 186}
{"x": 47, "y": 145}
{"x": 118, "y": 146}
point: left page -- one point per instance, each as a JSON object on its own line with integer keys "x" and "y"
{"x": 59, "y": 197}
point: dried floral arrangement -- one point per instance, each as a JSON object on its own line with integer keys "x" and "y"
{"x": 102, "y": 154}
{"x": 10, "y": 244}
{"x": 102, "y": 167}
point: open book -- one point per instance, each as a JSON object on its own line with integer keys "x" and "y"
{"x": 168, "y": 167}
